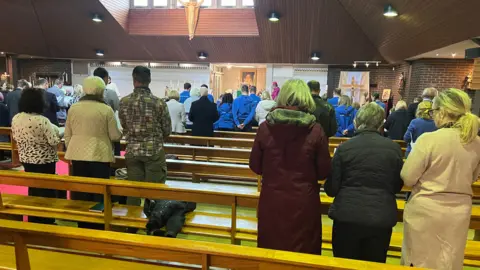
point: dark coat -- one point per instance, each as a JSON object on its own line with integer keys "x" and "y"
{"x": 365, "y": 178}
{"x": 412, "y": 110}
{"x": 397, "y": 124}
{"x": 203, "y": 114}
{"x": 51, "y": 107}
{"x": 166, "y": 213}
{"x": 291, "y": 160}
{"x": 325, "y": 115}
{"x": 13, "y": 98}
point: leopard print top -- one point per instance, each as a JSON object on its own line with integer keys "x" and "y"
{"x": 36, "y": 137}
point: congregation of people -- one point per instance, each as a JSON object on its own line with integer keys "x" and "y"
{"x": 290, "y": 152}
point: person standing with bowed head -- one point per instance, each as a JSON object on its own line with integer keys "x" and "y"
{"x": 244, "y": 111}
{"x": 441, "y": 169}
{"x": 37, "y": 141}
{"x": 291, "y": 154}
{"x": 365, "y": 178}
{"x": 89, "y": 131}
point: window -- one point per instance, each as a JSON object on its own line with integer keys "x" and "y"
{"x": 247, "y": 3}
{"x": 160, "y": 3}
{"x": 228, "y": 3}
{"x": 140, "y": 3}
{"x": 206, "y": 3}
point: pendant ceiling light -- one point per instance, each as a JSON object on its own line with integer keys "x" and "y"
{"x": 389, "y": 11}
{"x": 273, "y": 17}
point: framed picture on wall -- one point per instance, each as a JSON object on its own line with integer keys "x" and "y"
{"x": 249, "y": 77}
{"x": 386, "y": 94}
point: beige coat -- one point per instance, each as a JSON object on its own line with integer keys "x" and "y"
{"x": 90, "y": 129}
{"x": 436, "y": 218}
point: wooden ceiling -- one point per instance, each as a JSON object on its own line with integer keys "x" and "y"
{"x": 341, "y": 30}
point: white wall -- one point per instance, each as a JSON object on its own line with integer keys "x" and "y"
{"x": 282, "y": 73}
{"x": 173, "y": 78}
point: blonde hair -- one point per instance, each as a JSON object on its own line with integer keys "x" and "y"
{"x": 297, "y": 94}
{"x": 345, "y": 100}
{"x": 356, "y": 105}
{"x": 93, "y": 85}
{"x": 423, "y": 108}
{"x": 173, "y": 94}
{"x": 401, "y": 105}
{"x": 456, "y": 105}
{"x": 195, "y": 92}
{"x": 266, "y": 96}
{"x": 430, "y": 92}
{"x": 78, "y": 90}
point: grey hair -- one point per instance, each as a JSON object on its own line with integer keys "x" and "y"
{"x": 78, "y": 90}
{"x": 203, "y": 91}
{"x": 93, "y": 85}
{"x": 58, "y": 81}
{"x": 23, "y": 84}
{"x": 430, "y": 93}
{"x": 195, "y": 92}
{"x": 370, "y": 116}
{"x": 40, "y": 83}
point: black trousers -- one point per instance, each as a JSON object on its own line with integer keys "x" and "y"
{"x": 246, "y": 128}
{"x": 48, "y": 168}
{"x": 94, "y": 170}
{"x": 353, "y": 241}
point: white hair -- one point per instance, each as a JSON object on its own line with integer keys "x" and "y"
{"x": 203, "y": 91}
{"x": 195, "y": 92}
{"x": 93, "y": 85}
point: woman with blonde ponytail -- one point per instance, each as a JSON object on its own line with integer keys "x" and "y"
{"x": 441, "y": 169}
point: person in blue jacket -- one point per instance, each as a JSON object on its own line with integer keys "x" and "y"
{"x": 376, "y": 98}
{"x": 337, "y": 93}
{"x": 210, "y": 96}
{"x": 185, "y": 94}
{"x": 345, "y": 114}
{"x": 422, "y": 124}
{"x": 243, "y": 111}
{"x": 253, "y": 95}
{"x": 225, "y": 122}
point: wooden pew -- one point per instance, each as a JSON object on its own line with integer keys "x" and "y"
{"x": 203, "y": 255}
{"x": 233, "y": 227}
{"x": 228, "y": 134}
{"x": 9, "y": 146}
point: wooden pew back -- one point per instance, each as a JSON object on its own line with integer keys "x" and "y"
{"x": 204, "y": 255}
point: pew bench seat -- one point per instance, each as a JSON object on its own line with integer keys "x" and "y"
{"x": 5, "y": 146}
{"x": 48, "y": 259}
{"x": 197, "y": 223}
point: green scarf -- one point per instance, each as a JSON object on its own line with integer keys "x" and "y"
{"x": 290, "y": 117}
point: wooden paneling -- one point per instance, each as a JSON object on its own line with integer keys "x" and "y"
{"x": 476, "y": 75}
{"x": 421, "y": 26}
{"x": 211, "y": 22}
{"x": 119, "y": 10}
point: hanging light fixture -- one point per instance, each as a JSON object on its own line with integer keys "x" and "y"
{"x": 273, "y": 17}
{"x": 393, "y": 68}
{"x": 389, "y": 11}
{"x": 367, "y": 64}
{"x": 315, "y": 56}
{"x": 354, "y": 64}
{"x": 377, "y": 64}
{"x": 100, "y": 53}
{"x": 97, "y": 18}
{"x": 202, "y": 56}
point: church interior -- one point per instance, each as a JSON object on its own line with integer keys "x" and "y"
{"x": 231, "y": 192}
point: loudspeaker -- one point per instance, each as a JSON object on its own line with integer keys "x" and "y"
{"x": 472, "y": 53}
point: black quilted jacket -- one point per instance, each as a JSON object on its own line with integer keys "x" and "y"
{"x": 364, "y": 180}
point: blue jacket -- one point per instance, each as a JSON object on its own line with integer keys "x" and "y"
{"x": 255, "y": 98}
{"x": 416, "y": 128}
{"x": 333, "y": 101}
{"x": 184, "y": 95}
{"x": 226, "y": 117}
{"x": 243, "y": 110}
{"x": 381, "y": 104}
{"x": 210, "y": 97}
{"x": 345, "y": 116}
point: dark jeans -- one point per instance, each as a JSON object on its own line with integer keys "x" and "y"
{"x": 353, "y": 241}
{"x": 151, "y": 169}
{"x": 94, "y": 170}
{"x": 48, "y": 168}
{"x": 246, "y": 128}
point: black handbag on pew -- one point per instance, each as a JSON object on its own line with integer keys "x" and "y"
{"x": 166, "y": 213}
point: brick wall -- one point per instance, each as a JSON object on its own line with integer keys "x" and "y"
{"x": 380, "y": 78}
{"x": 438, "y": 73}
{"x": 26, "y": 68}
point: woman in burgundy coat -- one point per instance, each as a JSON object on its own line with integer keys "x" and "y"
{"x": 291, "y": 153}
